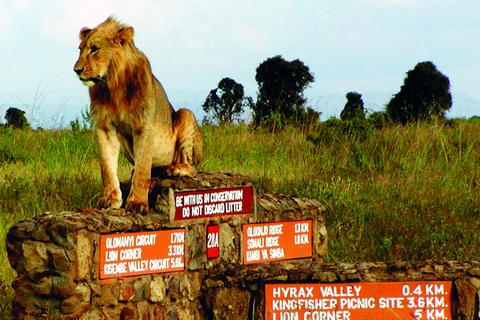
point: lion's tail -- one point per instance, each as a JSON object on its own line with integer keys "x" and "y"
{"x": 189, "y": 137}
{"x": 197, "y": 146}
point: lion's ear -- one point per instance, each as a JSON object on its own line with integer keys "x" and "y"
{"x": 84, "y": 32}
{"x": 124, "y": 36}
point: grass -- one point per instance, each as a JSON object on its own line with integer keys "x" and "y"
{"x": 44, "y": 171}
{"x": 397, "y": 193}
{"x": 401, "y": 193}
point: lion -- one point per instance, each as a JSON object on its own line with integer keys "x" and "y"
{"x": 131, "y": 112}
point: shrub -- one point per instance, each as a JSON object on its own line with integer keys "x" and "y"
{"x": 16, "y": 119}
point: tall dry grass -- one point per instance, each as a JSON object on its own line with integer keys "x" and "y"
{"x": 408, "y": 193}
{"x": 396, "y": 193}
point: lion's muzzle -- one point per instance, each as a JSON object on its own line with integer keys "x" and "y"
{"x": 78, "y": 70}
{"x": 86, "y": 81}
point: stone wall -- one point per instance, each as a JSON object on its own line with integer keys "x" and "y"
{"x": 56, "y": 256}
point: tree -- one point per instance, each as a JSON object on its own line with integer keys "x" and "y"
{"x": 281, "y": 84}
{"x": 16, "y": 119}
{"x": 226, "y": 102}
{"x": 424, "y": 94}
{"x": 353, "y": 108}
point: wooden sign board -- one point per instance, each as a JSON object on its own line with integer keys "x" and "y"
{"x": 276, "y": 241}
{"x": 210, "y": 203}
{"x": 369, "y": 301}
{"x": 139, "y": 253}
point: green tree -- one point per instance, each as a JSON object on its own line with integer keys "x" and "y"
{"x": 353, "y": 108}
{"x": 424, "y": 94}
{"x": 226, "y": 102}
{"x": 281, "y": 84}
{"x": 16, "y": 119}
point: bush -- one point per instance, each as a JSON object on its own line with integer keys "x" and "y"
{"x": 353, "y": 108}
{"x": 335, "y": 129}
{"x": 379, "y": 120}
{"x": 16, "y": 119}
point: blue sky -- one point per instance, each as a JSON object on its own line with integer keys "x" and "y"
{"x": 365, "y": 46}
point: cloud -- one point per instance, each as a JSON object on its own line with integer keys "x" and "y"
{"x": 4, "y": 23}
{"x": 350, "y": 45}
{"x": 394, "y": 3}
{"x": 21, "y": 5}
{"x": 63, "y": 19}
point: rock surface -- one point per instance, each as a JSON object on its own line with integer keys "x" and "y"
{"x": 56, "y": 256}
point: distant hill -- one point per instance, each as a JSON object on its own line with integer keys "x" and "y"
{"x": 464, "y": 106}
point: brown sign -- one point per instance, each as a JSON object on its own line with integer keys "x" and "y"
{"x": 369, "y": 301}
{"x": 209, "y": 203}
{"x": 276, "y": 241}
{"x": 138, "y": 253}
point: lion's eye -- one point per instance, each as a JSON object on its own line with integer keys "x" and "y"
{"x": 94, "y": 49}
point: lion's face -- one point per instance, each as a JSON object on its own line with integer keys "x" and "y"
{"x": 97, "y": 50}
{"x": 92, "y": 64}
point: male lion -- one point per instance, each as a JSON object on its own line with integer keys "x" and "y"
{"x": 131, "y": 110}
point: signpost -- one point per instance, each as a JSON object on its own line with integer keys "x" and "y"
{"x": 276, "y": 241}
{"x": 140, "y": 253}
{"x": 213, "y": 241}
{"x": 350, "y": 301}
{"x": 209, "y": 203}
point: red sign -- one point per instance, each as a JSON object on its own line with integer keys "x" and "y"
{"x": 213, "y": 237}
{"x": 276, "y": 241}
{"x": 209, "y": 203}
{"x": 368, "y": 301}
{"x": 138, "y": 253}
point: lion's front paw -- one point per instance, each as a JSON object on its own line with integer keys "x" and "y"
{"x": 180, "y": 170}
{"x": 172, "y": 171}
{"x": 107, "y": 202}
{"x": 136, "y": 207}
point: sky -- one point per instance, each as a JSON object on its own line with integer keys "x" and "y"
{"x": 366, "y": 46}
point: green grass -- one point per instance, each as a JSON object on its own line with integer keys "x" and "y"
{"x": 397, "y": 193}
{"x": 401, "y": 193}
{"x": 42, "y": 171}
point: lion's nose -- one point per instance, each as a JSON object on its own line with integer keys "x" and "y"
{"x": 78, "y": 70}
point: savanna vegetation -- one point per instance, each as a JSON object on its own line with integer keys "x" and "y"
{"x": 395, "y": 193}
{"x": 396, "y": 186}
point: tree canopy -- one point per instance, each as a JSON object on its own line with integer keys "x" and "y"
{"x": 16, "y": 119}
{"x": 281, "y": 84}
{"x": 424, "y": 94}
{"x": 353, "y": 108}
{"x": 226, "y": 102}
